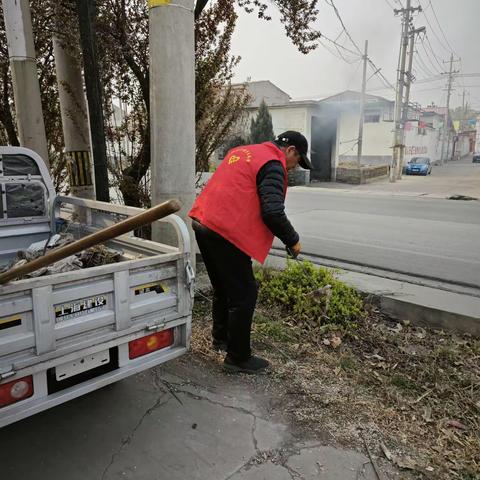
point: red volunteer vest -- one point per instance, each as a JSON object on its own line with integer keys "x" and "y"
{"x": 229, "y": 204}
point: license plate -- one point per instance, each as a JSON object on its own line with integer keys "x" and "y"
{"x": 81, "y": 365}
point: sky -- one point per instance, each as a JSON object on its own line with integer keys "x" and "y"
{"x": 267, "y": 53}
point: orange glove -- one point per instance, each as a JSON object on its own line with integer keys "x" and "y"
{"x": 294, "y": 250}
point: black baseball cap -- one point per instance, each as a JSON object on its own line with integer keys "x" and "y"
{"x": 297, "y": 140}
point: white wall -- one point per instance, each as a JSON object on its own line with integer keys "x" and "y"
{"x": 477, "y": 143}
{"x": 463, "y": 146}
{"x": 286, "y": 118}
{"x": 290, "y": 118}
{"x": 428, "y": 145}
{"x": 377, "y": 137}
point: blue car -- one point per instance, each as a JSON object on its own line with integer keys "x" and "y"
{"x": 419, "y": 166}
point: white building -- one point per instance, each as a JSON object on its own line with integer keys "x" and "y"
{"x": 331, "y": 127}
{"x": 477, "y": 140}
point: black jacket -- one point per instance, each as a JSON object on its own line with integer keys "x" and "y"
{"x": 270, "y": 188}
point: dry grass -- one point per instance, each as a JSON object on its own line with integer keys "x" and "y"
{"x": 412, "y": 393}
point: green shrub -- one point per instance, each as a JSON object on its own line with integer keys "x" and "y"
{"x": 312, "y": 296}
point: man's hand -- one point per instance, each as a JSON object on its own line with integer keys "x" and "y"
{"x": 294, "y": 251}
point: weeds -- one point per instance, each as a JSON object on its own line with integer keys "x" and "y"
{"x": 312, "y": 297}
{"x": 343, "y": 366}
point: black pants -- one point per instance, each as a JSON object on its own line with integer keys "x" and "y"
{"x": 234, "y": 291}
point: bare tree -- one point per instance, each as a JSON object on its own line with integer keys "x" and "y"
{"x": 298, "y": 17}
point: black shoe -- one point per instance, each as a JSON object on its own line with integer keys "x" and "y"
{"x": 219, "y": 346}
{"x": 252, "y": 365}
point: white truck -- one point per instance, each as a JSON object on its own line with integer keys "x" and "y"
{"x": 67, "y": 334}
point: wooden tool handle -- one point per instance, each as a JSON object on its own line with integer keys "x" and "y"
{"x": 127, "y": 225}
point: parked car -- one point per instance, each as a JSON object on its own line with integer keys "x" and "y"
{"x": 476, "y": 157}
{"x": 419, "y": 166}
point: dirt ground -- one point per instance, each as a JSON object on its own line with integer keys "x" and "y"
{"x": 407, "y": 396}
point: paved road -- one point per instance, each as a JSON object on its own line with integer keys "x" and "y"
{"x": 410, "y": 232}
{"x": 458, "y": 177}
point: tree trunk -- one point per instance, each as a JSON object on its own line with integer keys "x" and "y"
{"x": 86, "y": 14}
{"x": 199, "y": 7}
{"x": 6, "y": 114}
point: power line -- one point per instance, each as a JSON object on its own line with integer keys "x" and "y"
{"x": 381, "y": 75}
{"x": 432, "y": 29}
{"x": 333, "y": 42}
{"x": 390, "y": 5}
{"x": 349, "y": 150}
{"x": 336, "y": 54}
{"x": 438, "y": 60}
{"x": 347, "y": 33}
{"x": 421, "y": 65}
{"x": 376, "y": 70}
{"x": 441, "y": 29}
{"x": 436, "y": 69}
{"x": 434, "y": 78}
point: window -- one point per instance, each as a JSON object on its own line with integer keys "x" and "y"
{"x": 19, "y": 166}
{"x": 388, "y": 113}
{"x": 372, "y": 117}
{"x": 420, "y": 161}
{"x": 25, "y": 200}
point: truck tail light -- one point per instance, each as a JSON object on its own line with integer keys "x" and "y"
{"x": 16, "y": 390}
{"x": 150, "y": 343}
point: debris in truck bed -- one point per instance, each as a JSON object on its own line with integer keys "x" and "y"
{"x": 99, "y": 255}
{"x": 92, "y": 257}
{"x": 68, "y": 264}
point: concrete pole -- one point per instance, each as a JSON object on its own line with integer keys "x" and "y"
{"x": 172, "y": 106}
{"x": 406, "y": 103}
{"x": 446, "y": 136}
{"x": 73, "y": 108}
{"x": 26, "y": 89}
{"x": 397, "y": 141}
{"x": 362, "y": 107}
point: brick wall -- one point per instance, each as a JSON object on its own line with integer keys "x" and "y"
{"x": 363, "y": 175}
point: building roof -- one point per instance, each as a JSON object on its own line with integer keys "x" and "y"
{"x": 264, "y": 90}
{"x": 435, "y": 110}
{"x": 353, "y": 96}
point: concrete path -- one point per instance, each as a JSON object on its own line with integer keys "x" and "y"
{"x": 180, "y": 422}
{"x": 460, "y": 177}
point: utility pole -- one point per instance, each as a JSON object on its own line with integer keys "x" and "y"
{"x": 446, "y": 136}
{"x": 362, "y": 106}
{"x": 172, "y": 106}
{"x": 73, "y": 109}
{"x": 86, "y": 14}
{"x": 464, "y": 112}
{"x": 398, "y": 137}
{"x": 406, "y": 102}
{"x": 26, "y": 89}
